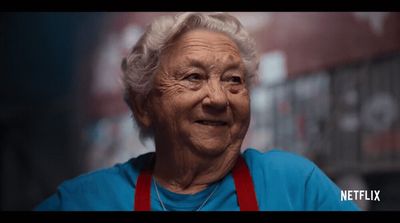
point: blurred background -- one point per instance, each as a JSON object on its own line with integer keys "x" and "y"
{"x": 329, "y": 89}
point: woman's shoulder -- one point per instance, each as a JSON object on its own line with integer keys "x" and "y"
{"x": 278, "y": 160}
{"x": 121, "y": 173}
{"x": 276, "y": 155}
{"x": 96, "y": 189}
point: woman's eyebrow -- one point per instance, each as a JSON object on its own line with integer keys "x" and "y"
{"x": 233, "y": 66}
{"x": 199, "y": 63}
{"x": 192, "y": 62}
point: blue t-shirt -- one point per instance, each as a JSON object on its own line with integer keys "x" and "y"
{"x": 283, "y": 181}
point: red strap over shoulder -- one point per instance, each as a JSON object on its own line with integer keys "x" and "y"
{"x": 244, "y": 186}
{"x": 241, "y": 176}
{"x": 142, "y": 193}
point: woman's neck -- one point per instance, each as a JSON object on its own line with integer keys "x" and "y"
{"x": 182, "y": 171}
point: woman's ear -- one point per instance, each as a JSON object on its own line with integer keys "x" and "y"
{"x": 141, "y": 110}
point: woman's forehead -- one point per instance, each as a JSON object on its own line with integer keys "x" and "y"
{"x": 197, "y": 44}
{"x": 200, "y": 39}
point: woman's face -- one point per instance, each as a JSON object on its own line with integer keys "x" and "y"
{"x": 200, "y": 100}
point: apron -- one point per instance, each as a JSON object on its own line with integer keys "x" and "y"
{"x": 246, "y": 195}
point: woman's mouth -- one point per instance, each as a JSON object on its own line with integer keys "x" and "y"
{"x": 212, "y": 122}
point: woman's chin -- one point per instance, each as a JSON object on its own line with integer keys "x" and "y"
{"x": 211, "y": 149}
{"x": 210, "y": 152}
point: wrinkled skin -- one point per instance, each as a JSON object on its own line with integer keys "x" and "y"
{"x": 199, "y": 109}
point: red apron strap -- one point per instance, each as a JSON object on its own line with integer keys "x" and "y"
{"x": 142, "y": 192}
{"x": 244, "y": 186}
{"x": 241, "y": 176}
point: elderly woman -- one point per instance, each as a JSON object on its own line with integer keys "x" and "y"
{"x": 187, "y": 83}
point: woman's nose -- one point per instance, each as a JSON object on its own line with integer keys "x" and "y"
{"x": 216, "y": 96}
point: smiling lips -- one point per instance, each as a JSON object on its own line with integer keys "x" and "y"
{"x": 212, "y": 122}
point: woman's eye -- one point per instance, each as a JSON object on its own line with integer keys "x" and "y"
{"x": 235, "y": 79}
{"x": 193, "y": 77}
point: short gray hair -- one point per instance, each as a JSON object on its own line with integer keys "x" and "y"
{"x": 140, "y": 64}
